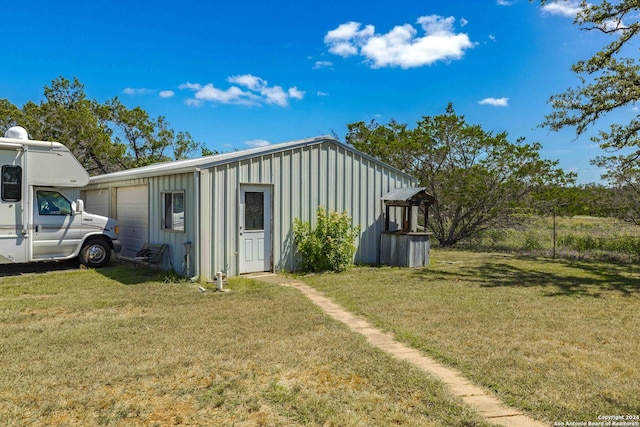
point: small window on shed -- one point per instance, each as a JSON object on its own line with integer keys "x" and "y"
{"x": 173, "y": 211}
{"x": 11, "y": 183}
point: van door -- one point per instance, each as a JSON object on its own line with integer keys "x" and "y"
{"x": 57, "y": 232}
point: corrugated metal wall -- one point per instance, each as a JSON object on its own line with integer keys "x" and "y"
{"x": 175, "y": 239}
{"x": 301, "y": 179}
{"x": 324, "y": 174}
{"x": 72, "y": 193}
{"x": 111, "y": 187}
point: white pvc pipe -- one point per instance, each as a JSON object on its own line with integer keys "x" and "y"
{"x": 219, "y": 280}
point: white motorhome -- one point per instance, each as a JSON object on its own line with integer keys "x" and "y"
{"x": 37, "y": 221}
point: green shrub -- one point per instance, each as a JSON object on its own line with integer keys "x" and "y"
{"x": 531, "y": 242}
{"x": 330, "y": 247}
{"x": 628, "y": 245}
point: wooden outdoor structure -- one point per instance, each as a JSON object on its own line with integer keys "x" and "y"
{"x": 405, "y": 241}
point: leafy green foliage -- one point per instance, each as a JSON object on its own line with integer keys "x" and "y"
{"x": 328, "y": 247}
{"x": 477, "y": 178}
{"x": 609, "y": 81}
{"x": 597, "y": 200}
{"x": 627, "y": 245}
{"x": 104, "y": 137}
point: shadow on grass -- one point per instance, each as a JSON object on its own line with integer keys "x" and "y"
{"x": 37, "y": 268}
{"x": 562, "y": 277}
{"x": 131, "y": 275}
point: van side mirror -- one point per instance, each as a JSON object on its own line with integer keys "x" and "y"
{"x": 79, "y": 206}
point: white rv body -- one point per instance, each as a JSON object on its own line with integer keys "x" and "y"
{"x": 37, "y": 221}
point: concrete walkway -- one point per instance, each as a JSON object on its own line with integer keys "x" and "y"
{"x": 477, "y": 398}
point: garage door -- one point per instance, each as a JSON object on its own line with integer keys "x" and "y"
{"x": 97, "y": 202}
{"x": 133, "y": 218}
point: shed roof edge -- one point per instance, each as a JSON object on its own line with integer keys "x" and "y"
{"x": 191, "y": 165}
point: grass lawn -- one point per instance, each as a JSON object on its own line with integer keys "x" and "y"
{"x": 556, "y": 338}
{"x": 579, "y": 237}
{"x": 116, "y": 347}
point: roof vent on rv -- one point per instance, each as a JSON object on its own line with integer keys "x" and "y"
{"x": 16, "y": 132}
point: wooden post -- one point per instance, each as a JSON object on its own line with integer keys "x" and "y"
{"x": 386, "y": 219}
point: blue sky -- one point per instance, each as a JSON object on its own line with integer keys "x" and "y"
{"x": 236, "y": 74}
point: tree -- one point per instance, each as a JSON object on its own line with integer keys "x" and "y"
{"x": 609, "y": 81}
{"x": 10, "y": 115}
{"x": 147, "y": 140}
{"x": 477, "y": 178}
{"x": 67, "y": 115}
{"x": 104, "y": 137}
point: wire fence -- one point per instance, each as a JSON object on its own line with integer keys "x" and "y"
{"x": 566, "y": 237}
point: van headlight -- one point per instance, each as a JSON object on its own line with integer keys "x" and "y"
{"x": 116, "y": 229}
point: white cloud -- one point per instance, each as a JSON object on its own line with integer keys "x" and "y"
{"x": 208, "y": 92}
{"x": 144, "y": 91}
{"x": 570, "y": 8}
{"x": 320, "y": 93}
{"x": 275, "y": 95}
{"x": 256, "y": 92}
{"x": 295, "y": 93}
{"x": 567, "y": 8}
{"x": 496, "y": 102}
{"x": 400, "y": 47}
{"x": 343, "y": 49}
{"x": 249, "y": 81}
{"x": 463, "y": 22}
{"x": 504, "y": 2}
{"x": 434, "y": 24}
{"x": 257, "y": 143}
{"x": 322, "y": 64}
{"x": 343, "y": 40}
{"x": 492, "y": 37}
{"x": 136, "y": 91}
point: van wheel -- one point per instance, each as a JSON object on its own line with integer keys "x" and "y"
{"x": 95, "y": 253}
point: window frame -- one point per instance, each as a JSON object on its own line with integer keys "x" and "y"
{"x": 61, "y": 211}
{"x": 173, "y": 226}
{"x": 4, "y": 184}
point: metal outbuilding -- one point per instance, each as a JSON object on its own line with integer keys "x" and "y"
{"x": 234, "y": 212}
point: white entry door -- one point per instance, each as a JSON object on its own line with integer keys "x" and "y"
{"x": 255, "y": 228}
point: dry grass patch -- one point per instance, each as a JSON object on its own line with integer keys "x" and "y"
{"x": 555, "y": 338}
{"x": 115, "y": 347}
